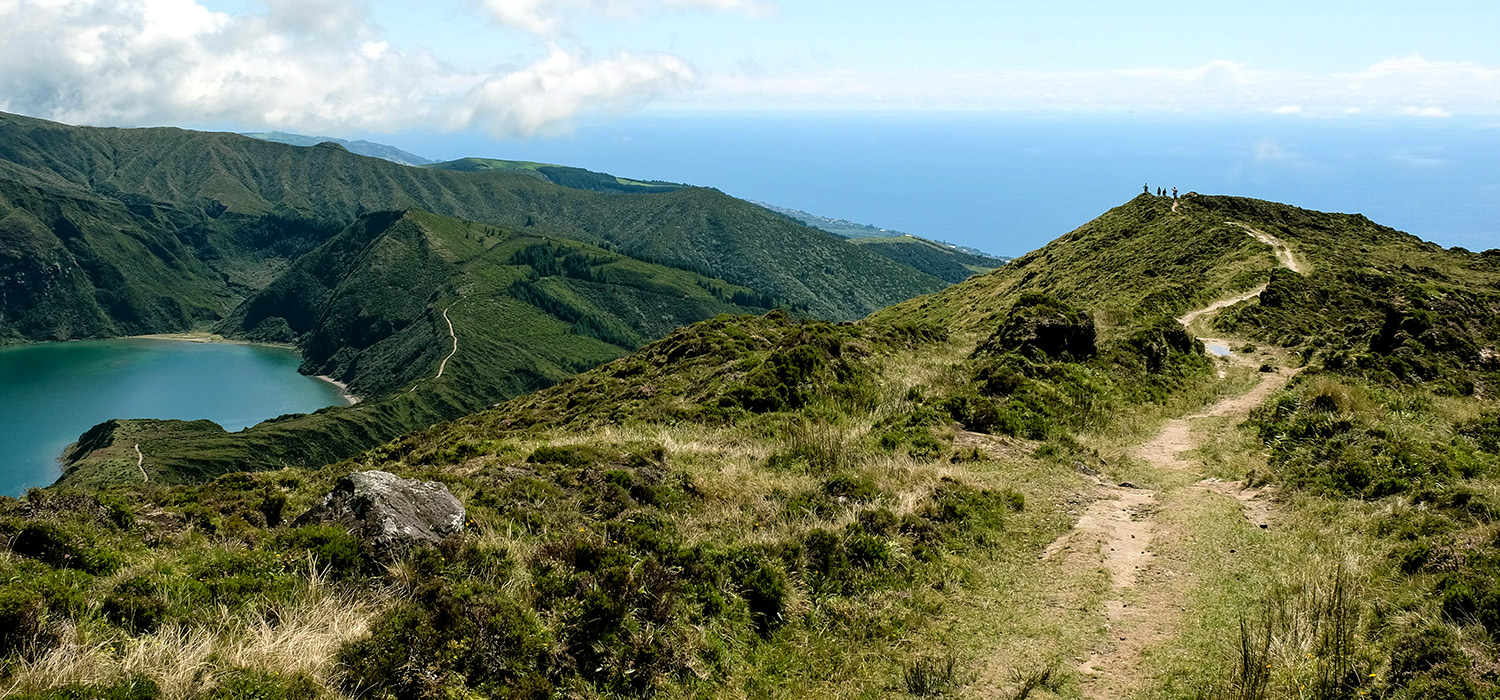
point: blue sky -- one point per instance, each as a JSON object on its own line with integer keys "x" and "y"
{"x": 1416, "y": 86}
{"x": 886, "y": 35}
{"x": 525, "y": 67}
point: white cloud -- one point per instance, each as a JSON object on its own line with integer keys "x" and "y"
{"x": 1430, "y": 112}
{"x": 1410, "y": 85}
{"x": 1267, "y": 150}
{"x": 753, "y": 8}
{"x": 316, "y": 65}
{"x": 561, "y": 85}
{"x": 552, "y": 17}
{"x": 1415, "y": 160}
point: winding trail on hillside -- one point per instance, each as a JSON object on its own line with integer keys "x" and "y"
{"x": 1188, "y": 318}
{"x": 140, "y": 462}
{"x": 1283, "y": 253}
{"x": 454, "y": 336}
{"x": 1121, "y": 533}
{"x": 442, "y": 366}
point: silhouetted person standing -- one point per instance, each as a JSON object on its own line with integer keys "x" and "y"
{"x": 1146, "y": 188}
{"x": 1174, "y": 193}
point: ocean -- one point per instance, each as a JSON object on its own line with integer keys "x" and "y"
{"x": 1009, "y": 183}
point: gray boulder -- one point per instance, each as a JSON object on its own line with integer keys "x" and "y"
{"x": 388, "y": 512}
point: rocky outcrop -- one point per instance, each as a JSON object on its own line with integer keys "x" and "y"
{"x": 389, "y": 513}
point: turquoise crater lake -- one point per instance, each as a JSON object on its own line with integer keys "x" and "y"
{"x": 52, "y": 392}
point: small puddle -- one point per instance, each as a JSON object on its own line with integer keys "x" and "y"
{"x": 1219, "y": 350}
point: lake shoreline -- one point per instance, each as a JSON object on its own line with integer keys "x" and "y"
{"x": 56, "y": 391}
{"x": 343, "y": 388}
{"x": 203, "y": 337}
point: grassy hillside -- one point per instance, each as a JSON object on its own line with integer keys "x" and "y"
{"x": 1137, "y": 260}
{"x": 371, "y": 308}
{"x": 749, "y": 507}
{"x": 936, "y": 259}
{"x": 1034, "y": 484}
{"x": 246, "y": 209}
{"x": 81, "y": 267}
{"x": 576, "y": 178}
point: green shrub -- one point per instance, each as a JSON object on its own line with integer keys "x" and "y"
{"x": 849, "y": 486}
{"x": 880, "y": 521}
{"x": 332, "y": 548}
{"x": 1441, "y": 686}
{"x": 1039, "y": 325}
{"x": 1420, "y": 652}
{"x": 1470, "y": 596}
{"x": 117, "y": 510}
{"x": 977, "y": 412}
{"x": 469, "y": 633}
{"x": 23, "y": 622}
{"x": 1156, "y": 343}
{"x": 956, "y": 503}
{"x": 246, "y": 684}
{"x": 866, "y": 550}
{"x": 132, "y": 688}
{"x": 60, "y": 546}
{"x": 765, "y": 590}
{"x": 783, "y": 380}
{"x": 134, "y": 605}
{"x": 235, "y": 578}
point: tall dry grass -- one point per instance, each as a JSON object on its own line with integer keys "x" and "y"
{"x": 298, "y": 635}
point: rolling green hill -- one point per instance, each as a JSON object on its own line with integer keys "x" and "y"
{"x": 1035, "y": 483}
{"x": 1169, "y": 263}
{"x": 239, "y": 210}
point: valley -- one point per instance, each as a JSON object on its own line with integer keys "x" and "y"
{"x": 257, "y": 243}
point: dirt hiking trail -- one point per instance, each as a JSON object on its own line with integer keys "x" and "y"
{"x": 1121, "y": 532}
{"x": 442, "y": 366}
{"x": 454, "y": 336}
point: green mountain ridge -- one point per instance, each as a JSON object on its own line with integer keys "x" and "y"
{"x": 361, "y": 147}
{"x": 246, "y": 209}
{"x": 564, "y": 176}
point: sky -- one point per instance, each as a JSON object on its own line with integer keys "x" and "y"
{"x": 522, "y": 68}
{"x": 1371, "y": 105}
